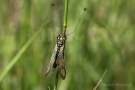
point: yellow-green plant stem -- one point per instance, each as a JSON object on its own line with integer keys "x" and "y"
{"x": 23, "y": 49}
{"x": 64, "y": 32}
{"x": 65, "y": 16}
{"x": 56, "y": 80}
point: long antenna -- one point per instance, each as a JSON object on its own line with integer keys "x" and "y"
{"x": 53, "y": 19}
{"x": 78, "y": 22}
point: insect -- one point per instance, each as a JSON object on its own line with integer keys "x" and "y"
{"x": 57, "y": 58}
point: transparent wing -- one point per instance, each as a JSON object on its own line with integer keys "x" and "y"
{"x": 63, "y": 72}
{"x": 61, "y": 63}
{"x": 52, "y": 61}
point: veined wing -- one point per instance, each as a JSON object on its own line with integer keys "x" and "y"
{"x": 61, "y": 62}
{"x": 52, "y": 63}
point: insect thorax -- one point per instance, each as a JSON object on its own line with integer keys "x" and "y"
{"x": 61, "y": 40}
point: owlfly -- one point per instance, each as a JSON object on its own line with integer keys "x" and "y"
{"x": 57, "y": 58}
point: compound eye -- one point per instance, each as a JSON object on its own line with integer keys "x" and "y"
{"x": 61, "y": 38}
{"x": 58, "y": 37}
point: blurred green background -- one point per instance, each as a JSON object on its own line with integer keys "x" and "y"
{"x": 103, "y": 40}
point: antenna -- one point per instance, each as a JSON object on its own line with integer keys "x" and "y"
{"x": 53, "y": 19}
{"x": 78, "y": 22}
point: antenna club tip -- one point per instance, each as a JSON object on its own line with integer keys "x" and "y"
{"x": 53, "y": 4}
{"x": 84, "y": 9}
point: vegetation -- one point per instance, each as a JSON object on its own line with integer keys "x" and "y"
{"x": 103, "y": 40}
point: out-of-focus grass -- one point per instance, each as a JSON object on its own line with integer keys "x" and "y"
{"x": 104, "y": 40}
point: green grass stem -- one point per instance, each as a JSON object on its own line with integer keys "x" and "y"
{"x": 64, "y": 32}
{"x": 19, "y": 54}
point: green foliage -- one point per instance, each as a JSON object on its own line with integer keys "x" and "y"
{"x": 103, "y": 40}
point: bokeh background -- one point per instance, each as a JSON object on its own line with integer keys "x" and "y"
{"x": 103, "y": 40}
